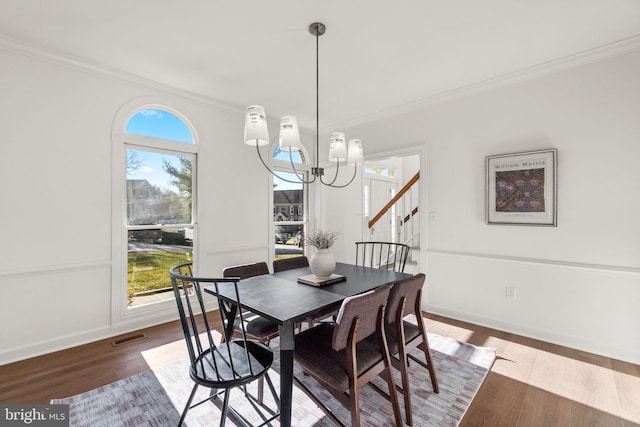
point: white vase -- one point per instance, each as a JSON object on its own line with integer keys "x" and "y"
{"x": 323, "y": 263}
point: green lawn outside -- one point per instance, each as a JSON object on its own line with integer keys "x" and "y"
{"x": 150, "y": 270}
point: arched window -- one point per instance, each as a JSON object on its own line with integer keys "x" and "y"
{"x": 159, "y": 179}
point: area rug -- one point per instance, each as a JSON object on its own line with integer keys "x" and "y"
{"x": 157, "y": 398}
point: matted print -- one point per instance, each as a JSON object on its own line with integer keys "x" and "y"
{"x": 521, "y": 188}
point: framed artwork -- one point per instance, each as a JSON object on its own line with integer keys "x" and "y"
{"x": 521, "y": 188}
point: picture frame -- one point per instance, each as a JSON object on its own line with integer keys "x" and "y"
{"x": 521, "y": 188}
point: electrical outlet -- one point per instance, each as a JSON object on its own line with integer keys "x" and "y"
{"x": 510, "y": 292}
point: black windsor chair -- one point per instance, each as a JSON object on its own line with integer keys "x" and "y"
{"x": 233, "y": 363}
{"x": 382, "y": 255}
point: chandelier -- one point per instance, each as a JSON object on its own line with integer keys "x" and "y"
{"x": 257, "y": 134}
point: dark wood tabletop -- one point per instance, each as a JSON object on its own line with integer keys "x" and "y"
{"x": 279, "y": 296}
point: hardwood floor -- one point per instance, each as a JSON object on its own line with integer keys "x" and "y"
{"x": 532, "y": 383}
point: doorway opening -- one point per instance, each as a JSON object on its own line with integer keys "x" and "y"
{"x": 391, "y": 201}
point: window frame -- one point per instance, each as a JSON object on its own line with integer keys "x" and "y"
{"x": 304, "y": 169}
{"x": 121, "y": 313}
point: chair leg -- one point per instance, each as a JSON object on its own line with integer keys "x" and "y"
{"x": 432, "y": 370}
{"x": 354, "y": 400}
{"x": 260, "y": 390}
{"x": 394, "y": 397}
{"x": 393, "y": 394}
{"x": 406, "y": 390}
{"x": 225, "y": 408}
{"x": 186, "y": 407}
{"x": 273, "y": 390}
{"x": 266, "y": 342}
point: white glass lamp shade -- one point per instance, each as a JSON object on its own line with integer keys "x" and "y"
{"x": 289, "y": 134}
{"x": 356, "y": 154}
{"x": 255, "y": 126}
{"x": 337, "y": 147}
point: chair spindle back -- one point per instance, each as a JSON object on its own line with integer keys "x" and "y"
{"x": 382, "y": 255}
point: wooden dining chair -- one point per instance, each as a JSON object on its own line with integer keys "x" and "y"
{"x": 245, "y": 271}
{"x": 403, "y": 336}
{"x": 284, "y": 264}
{"x": 222, "y": 366}
{"x": 382, "y": 255}
{"x": 256, "y": 327}
{"x": 340, "y": 357}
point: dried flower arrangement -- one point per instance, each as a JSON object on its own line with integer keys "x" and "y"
{"x": 322, "y": 239}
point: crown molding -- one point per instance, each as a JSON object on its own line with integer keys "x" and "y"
{"x": 617, "y": 48}
{"x": 101, "y": 70}
{"x": 588, "y": 56}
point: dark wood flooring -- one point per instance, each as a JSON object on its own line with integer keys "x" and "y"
{"x": 532, "y": 383}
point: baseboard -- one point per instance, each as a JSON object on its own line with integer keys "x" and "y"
{"x": 538, "y": 334}
{"x": 49, "y": 346}
{"x": 17, "y": 354}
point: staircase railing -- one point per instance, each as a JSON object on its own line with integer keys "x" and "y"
{"x": 395, "y": 199}
{"x": 405, "y": 217}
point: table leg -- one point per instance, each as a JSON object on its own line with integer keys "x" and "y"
{"x": 286, "y": 331}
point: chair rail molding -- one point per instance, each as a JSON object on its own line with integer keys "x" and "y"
{"x": 559, "y": 263}
{"x": 44, "y": 270}
{"x": 236, "y": 249}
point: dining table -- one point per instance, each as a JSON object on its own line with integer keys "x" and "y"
{"x": 280, "y": 298}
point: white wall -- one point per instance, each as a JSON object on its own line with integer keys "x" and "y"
{"x": 342, "y": 210}
{"x": 578, "y": 284}
{"x": 56, "y": 262}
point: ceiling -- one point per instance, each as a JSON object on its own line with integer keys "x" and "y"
{"x": 376, "y": 57}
